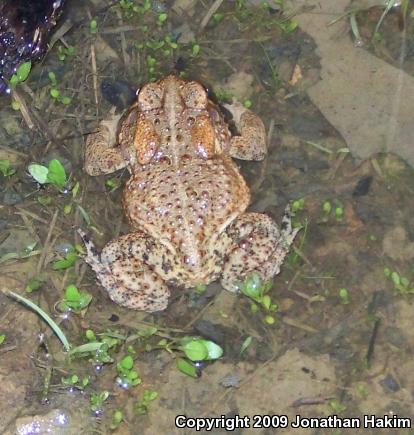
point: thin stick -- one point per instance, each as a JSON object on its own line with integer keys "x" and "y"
{"x": 210, "y": 13}
{"x": 46, "y": 244}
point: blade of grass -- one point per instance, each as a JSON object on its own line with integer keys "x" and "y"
{"x": 55, "y": 327}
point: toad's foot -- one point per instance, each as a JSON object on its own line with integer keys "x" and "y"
{"x": 251, "y": 144}
{"x": 128, "y": 280}
{"x": 260, "y": 247}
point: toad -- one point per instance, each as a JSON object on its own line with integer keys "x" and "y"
{"x": 185, "y": 199}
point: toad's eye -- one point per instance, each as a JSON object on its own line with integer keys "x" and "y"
{"x": 150, "y": 96}
{"x": 195, "y": 96}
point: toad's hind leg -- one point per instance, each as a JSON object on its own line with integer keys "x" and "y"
{"x": 259, "y": 247}
{"x": 128, "y": 280}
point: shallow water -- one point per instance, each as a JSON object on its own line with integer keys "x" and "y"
{"x": 342, "y": 337}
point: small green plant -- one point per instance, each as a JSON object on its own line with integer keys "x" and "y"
{"x": 64, "y": 52}
{"x": 257, "y": 290}
{"x": 298, "y": 205}
{"x": 162, "y": 18}
{"x": 97, "y": 401}
{"x": 130, "y": 8}
{"x": 68, "y": 260}
{"x": 20, "y": 76}
{"x": 196, "y": 349}
{"x": 93, "y": 26}
{"x": 329, "y": 210}
{"x": 195, "y": 49}
{"x": 55, "y": 93}
{"x": 34, "y": 284}
{"x": 127, "y": 375}
{"x": 98, "y": 350}
{"x": 75, "y": 381}
{"x": 142, "y": 407}
{"x": 53, "y": 174}
{"x": 5, "y": 168}
{"x": 402, "y": 284}
{"x": 2, "y": 338}
{"x": 344, "y": 296}
{"x": 74, "y": 300}
{"x": 116, "y": 420}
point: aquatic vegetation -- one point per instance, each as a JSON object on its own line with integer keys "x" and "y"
{"x": 53, "y": 325}
{"x": 74, "y": 300}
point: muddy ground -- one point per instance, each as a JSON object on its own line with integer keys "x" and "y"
{"x": 341, "y": 340}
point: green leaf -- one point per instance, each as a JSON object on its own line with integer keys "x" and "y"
{"x": 2, "y": 338}
{"x": 253, "y": 287}
{"x": 214, "y": 350}
{"x": 186, "y": 367}
{"x": 23, "y": 71}
{"x": 395, "y": 277}
{"x": 72, "y": 293}
{"x": 54, "y": 93}
{"x": 38, "y": 172}
{"x": 5, "y": 168}
{"x": 34, "y": 284}
{"x": 56, "y": 174}
{"x": 195, "y": 350}
{"x": 66, "y": 262}
{"x": 127, "y": 362}
{"x": 246, "y": 343}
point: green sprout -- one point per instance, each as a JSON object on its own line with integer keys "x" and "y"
{"x": 344, "y": 296}
{"x": 55, "y": 93}
{"x": 298, "y": 205}
{"x": 64, "y": 52}
{"x": 195, "y": 50}
{"x": 247, "y": 104}
{"x": 116, "y": 420}
{"x": 402, "y": 284}
{"x": 97, "y": 400}
{"x": 127, "y": 375}
{"x": 129, "y": 8}
{"x": 75, "y": 381}
{"x": 339, "y": 213}
{"x": 196, "y": 349}
{"x": 67, "y": 261}
{"x": 21, "y": 74}
{"x": 256, "y": 289}
{"x": 162, "y": 18}
{"x": 34, "y": 284}
{"x": 53, "y": 174}
{"x": 2, "y": 338}
{"x": 142, "y": 407}
{"x": 93, "y": 26}
{"x": 74, "y": 300}
{"x": 5, "y": 168}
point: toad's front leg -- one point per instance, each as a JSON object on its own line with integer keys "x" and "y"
{"x": 102, "y": 153}
{"x": 259, "y": 247}
{"x": 250, "y": 144}
{"x": 133, "y": 270}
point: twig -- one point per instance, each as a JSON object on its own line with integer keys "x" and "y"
{"x": 209, "y": 14}
{"x": 46, "y": 244}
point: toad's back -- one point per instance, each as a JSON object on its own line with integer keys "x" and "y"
{"x": 186, "y": 206}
